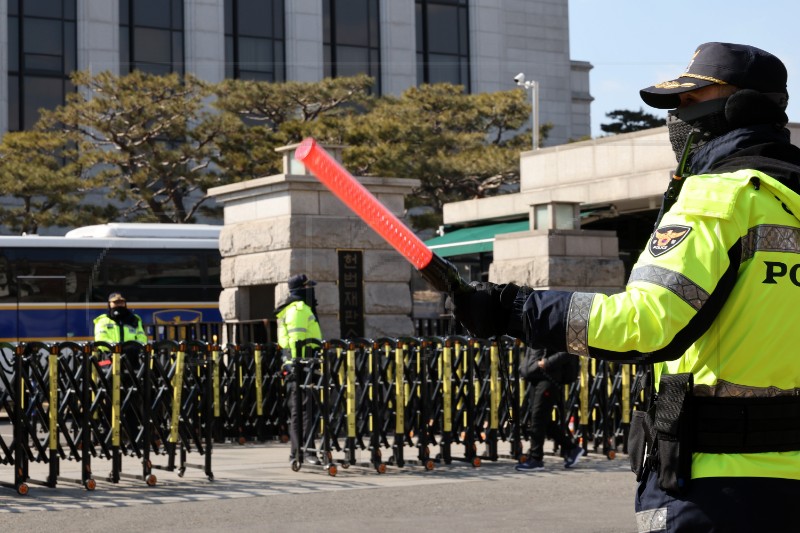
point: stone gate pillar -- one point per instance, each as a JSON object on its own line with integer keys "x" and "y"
{"x": 556, "y": 255}
{"x": 290, "y": 223}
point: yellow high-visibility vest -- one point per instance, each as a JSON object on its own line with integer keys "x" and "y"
{"x": 296, "y": 322}
{"x": 106, "y": 330}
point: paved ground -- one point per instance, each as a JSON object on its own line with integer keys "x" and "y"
{"x": 254, "y": 489}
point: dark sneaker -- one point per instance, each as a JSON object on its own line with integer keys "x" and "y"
{"x": 531, "y": 465}
{"x": 573, "y": 457}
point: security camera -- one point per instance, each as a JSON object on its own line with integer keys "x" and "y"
{"x": 519, "y": 78}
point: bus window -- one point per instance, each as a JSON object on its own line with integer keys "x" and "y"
{"x": 5, "y": 286}
{"x": 163, "y": 275}
{"x": 72, "y": 265}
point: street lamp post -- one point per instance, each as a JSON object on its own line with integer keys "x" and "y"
{"x": 534, "y": 88}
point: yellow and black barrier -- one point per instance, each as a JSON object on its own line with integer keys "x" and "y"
{"x": 249, "y": 399}
{"x": 378, "y": 399}
{"x": 93, "y": 401}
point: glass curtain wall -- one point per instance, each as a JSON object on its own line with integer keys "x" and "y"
{"x": 351, "y": 39}
{"x": 42, "y": 52}
{"x": 151, "y": 36}
{"x": 255, "y": 40}
{"x": 443, "y": 42}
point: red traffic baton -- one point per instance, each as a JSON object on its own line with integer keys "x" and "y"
{"x": 440, "y": 273}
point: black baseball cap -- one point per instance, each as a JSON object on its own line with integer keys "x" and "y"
{"x": 300, "y": 281}
{"x": 743, "y": 66}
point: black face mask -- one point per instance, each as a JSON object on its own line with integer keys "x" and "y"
{"x": 119, "y": 314}
{"x": 707, "y": 119}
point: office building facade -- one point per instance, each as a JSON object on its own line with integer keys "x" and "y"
{"x": 480, "y": 44}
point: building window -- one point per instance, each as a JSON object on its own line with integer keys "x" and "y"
{"x": 151, "y": 36}
{"x": 351, "y": 39}
{"x": 254, "y": 40}
{"x": 42, "y": 52}
{"x": 442, "y": 42}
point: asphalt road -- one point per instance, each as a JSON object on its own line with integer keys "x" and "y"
{"x": 254, "y": 489}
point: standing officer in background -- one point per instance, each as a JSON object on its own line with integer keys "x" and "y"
{"x": 119, "y": 324}
{"x": 297, "y": 321}
{"x": 711, "y": 303}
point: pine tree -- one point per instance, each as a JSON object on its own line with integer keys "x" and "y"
{"x": 626, "y": 121}
{"x": 44, "y": 191}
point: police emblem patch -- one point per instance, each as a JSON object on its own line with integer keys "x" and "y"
{"x": 666, "y": 238}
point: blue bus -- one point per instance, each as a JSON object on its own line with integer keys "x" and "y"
{"x": 52, "y": 288}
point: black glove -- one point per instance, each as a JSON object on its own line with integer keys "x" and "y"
{"x": 487, "y": 310}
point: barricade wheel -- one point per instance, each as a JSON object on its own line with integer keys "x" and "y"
{"x": 242, "y": 440}
{"x": 523, "y": 458}
{"x": 332, "y": 470}
{"x": 90, "y": 484}
{"x": 381, "y": 468}
{"x": 611, "y": 455}
{"x": 284, "y": 439}
{"x": 429, "y": 465}
{"x": 22, "y": 489}
{"x": 476, "y": 462}
{"x": 295, "y": 466}
{"x": 151, "y": 480}
{"x": 345, "y": 465}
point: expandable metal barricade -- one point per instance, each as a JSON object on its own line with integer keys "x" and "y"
{"x": 93, "y": 401}
{"x": 376, "y": 399}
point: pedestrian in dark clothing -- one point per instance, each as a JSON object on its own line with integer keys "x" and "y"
{"x": 546, "y": 372}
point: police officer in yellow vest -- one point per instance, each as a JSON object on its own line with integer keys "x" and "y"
{"x": 119, "y": 324}
{"x": 711, "y": 303}
{"x": 297, "y": 321}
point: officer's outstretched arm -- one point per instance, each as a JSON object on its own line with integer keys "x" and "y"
{"x": 674, "y": 294}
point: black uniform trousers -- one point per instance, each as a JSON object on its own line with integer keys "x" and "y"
{"x": 307, "y": 414}
{"x": 720, "y": 505}
{"x": 544, "y": 395}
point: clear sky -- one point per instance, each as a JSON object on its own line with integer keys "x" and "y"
{"x": 636, "y": 43}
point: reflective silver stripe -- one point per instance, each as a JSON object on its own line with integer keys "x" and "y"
{"x": 651, "y": 520}
{"x": 578, "y": 322}
{"x": 770, "y": 238}
{"x": 726, "y": 389}
{"x": 297, "y": 330}
{"x": 686, "y": 289}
